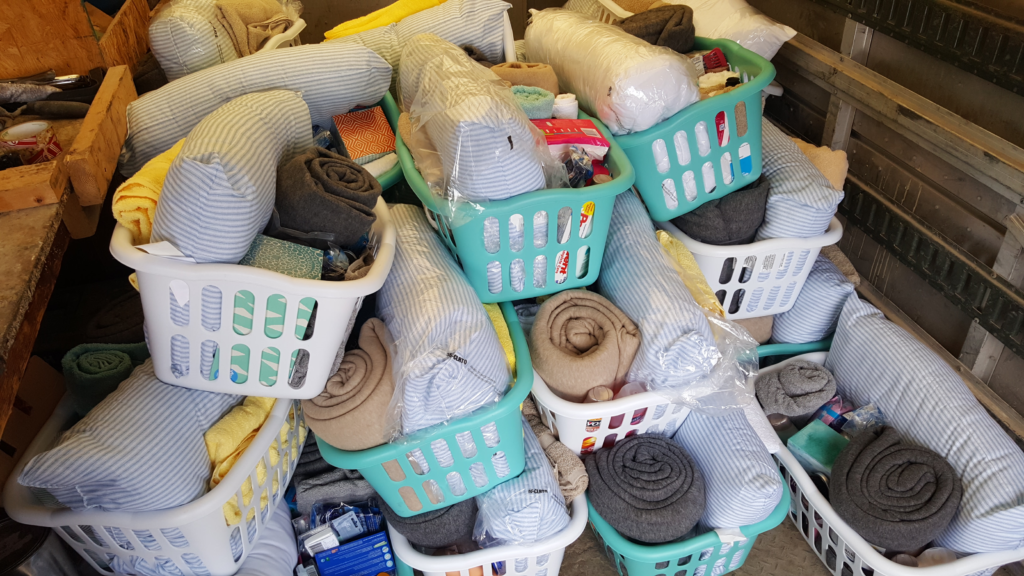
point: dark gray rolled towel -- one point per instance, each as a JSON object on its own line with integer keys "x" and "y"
{"x": 896, "y": 496}
{"x": 670, "y": 26}
{"x": 797, "y": 390}
{"x": 647, "y": 487}
{"x": 325, "y": 197}
{"x": 731, "y": 220}
{"x": 438, "y": 528}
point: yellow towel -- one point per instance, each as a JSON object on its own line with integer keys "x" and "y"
{"x": 494, "y": 311}
{"x": 387, "y": 15}
{"x": 135, "y": 201}
{"x": 228, "y": 439}
{"x": 690, "y": 272}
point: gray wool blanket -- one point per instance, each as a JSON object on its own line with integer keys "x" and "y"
{"x": 896, "y": 496}
{"x": 797, "y": 390}
{"x": 647, "y": 487}
{"x": 438, "y": 528}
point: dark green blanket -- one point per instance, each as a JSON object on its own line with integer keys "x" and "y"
{"x": 92, "y": 371}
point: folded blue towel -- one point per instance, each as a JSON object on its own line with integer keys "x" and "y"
{"x": 538, "y": 103}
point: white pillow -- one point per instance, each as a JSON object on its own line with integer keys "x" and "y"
{"x": 186, "y": 37}
{"x": 740, "y": 22}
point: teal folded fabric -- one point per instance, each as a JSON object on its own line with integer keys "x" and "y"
{"x": 288, "y": 258}
{"x": 538, "y": 103}
{"x": 92, "y": 371}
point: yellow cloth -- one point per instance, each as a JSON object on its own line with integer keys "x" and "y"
{"x": 229, "y": 438}
{"x": 690, "y": 272}
{"x": 494, "y": 311}
{"x": 387, "y": 15}
{"x": 135, "y": 201}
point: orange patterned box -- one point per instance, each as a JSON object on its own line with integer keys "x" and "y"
{"x": 366, "y": 133}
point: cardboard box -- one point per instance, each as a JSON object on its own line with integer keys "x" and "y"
{"x": 41, "y": 389}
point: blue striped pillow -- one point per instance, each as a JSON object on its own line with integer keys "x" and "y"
{"x": 801, "y": 201}
{"x": 816, "y": 310}
{"x": 741, "y": 481}
{"x": 140, "y": 449}
{"x": 186, "y": 37}
{"x": 220, "y": 190}
{"x": 875, "y": 360}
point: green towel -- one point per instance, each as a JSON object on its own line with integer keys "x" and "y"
{"x": 538, "y": 103}
{"x": 92, "y": 371}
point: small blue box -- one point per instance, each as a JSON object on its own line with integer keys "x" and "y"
{"x": 367, "y": 556}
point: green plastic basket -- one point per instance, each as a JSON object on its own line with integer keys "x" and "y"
{"x": 391, "y": 112}
{"x": 770, "y": 354}
{"x": 681, "y": 558}
{"x": 402, "y": 483}
{"x": 465, "y": 236}
{"x": 664, "y": 192}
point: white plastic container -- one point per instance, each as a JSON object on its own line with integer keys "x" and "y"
{"x": 588, "y": 427}
{"x": 201, "y": 522}
{"x": 289, "y": 37}
{"x": 839, "y": 547}
{"x": 263, "y": 358}
{"x": 606, "y": 11}
{"x": 526, "y": 560}
{"x": 758, "y": 279}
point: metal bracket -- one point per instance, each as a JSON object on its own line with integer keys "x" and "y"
{"x": 996, "y": 304}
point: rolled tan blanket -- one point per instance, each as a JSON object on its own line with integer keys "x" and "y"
{"x": 580, "y": 340}
{"x": 569, "y": 469}
{"x": 350, "y": 413}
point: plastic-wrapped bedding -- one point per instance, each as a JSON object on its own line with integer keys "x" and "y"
{"x": 626, "y": 82}
{"x": 487, "y": 144}
{"x": 186, "y": 37}
{"x": 448, "y": 359}
{"x": 332, "y": 78}
{"x": 677, "y": 346}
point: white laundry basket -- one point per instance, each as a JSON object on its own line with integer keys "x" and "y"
{"x": 542, "y": 558}
{"x": 588, "y": 427}
{"x": 261, "y": 359}
{"x": 289, "y": 37}
{"x": 758, "y": 279}
{"x": 195, "y": 538}
{"x": 838, "y": 545}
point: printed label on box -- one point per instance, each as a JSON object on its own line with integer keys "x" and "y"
{"x": 367, "y": 556}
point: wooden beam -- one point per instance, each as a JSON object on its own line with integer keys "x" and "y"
{"x": 33, "y": 185}
{"x": 36, "y": 35}
{"x": 839, "y": 121}
{"x": 126, "y": 40}
{"x": 1002, "y": 411}
{"x": 986, "y": 157}
{"x": 92, "y": 159}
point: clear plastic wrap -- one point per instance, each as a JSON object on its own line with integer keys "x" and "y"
{"x": 448, "y": 361}
{"x": 740, "y": 22}
{"x": 626, "y": 82}
{"x": 186, "y": 37}
{"x": 464, "y": 113}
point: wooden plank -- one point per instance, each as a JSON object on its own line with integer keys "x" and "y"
{"x": 36, "y": 35}
{"x": 81, "y": 221}
{"x": 21, "y": 350}
{"x": 92, "y": 159}
{"x": 99, "y": 19}
{"x": 1002, "y": 411}
{"x": 126, "y": 41}
{"x": 34, "y": 185}
{"x": 981, "y": 154}
{"x": 839, "y": 121}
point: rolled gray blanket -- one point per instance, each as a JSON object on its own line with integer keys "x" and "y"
{"x": 896, "y": 496}
{"x": 325, "y": 197}
{"x": 670, "y": 26}
{"x": 435, "y": 529}
{"x": 647, "y": 487}
{"x": 332, "y": 486}
{"x": 797, "y": 390}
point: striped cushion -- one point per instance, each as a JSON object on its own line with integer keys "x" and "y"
{"x": 676, "y": 344}
{"x": 186, "y": 37}
{"x": 448, "y": 358}
{"x": 814, "y": 315}
{"x": 219, "y": 192}
{"x": 333, "y": 78}
{"x": 140, "y": 449}
{"x": 874, "y": 360}
{"x": 742, "y": 484}
{"x": 801, "y": 201}
{"x": 486, "y": 142}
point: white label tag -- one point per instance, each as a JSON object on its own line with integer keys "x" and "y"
{"x": 180, "y": 291}
{"x": 323, "y": 539}
{"x": 730, "y": 535}
{"x": 166, "y": 250}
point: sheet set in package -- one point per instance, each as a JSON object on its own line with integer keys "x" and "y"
{"x": 488, "y": 147}
{"x": 447, "y": 357}
{"x": 626, "y": 82}
{"x": 333, "y": 78}
{"x": 186, "y": 37}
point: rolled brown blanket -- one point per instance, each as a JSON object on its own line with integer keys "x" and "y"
{"x": 580, "y": 340}
{"x": 326, "y": 196}
{"x": 350, "y": 413}
{"x": 896, "y": 496}
{"x": 670, "y": 26}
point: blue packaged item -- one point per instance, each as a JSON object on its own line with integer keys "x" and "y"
{"x": 348, "y": 522}
{"x": 367, "y": 556}
{"x": 580, "y": 167}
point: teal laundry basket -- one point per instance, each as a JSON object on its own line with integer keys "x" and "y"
{"x": 559, "y": 266}
{"x": 391, "y": 112}
{"x": 769, "y": 354}
{"x": 681, "y": 558}
{"x": 675, "y": 173}
{"x": 387, "y": 467}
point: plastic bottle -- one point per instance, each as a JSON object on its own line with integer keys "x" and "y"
{"x": 782, "y": 426}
